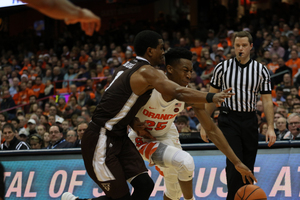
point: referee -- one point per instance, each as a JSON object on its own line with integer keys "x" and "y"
{"x": 237, "y": 118}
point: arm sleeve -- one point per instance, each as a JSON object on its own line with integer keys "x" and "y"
{"x": 265, "y": 86}
{"x": 216, "y": 79}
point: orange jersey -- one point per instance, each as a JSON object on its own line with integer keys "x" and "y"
{"x": 24, "y": 95}
{"x": 198, "y": 51}
{"x": 294, "y": 65}
{"x": 38, "y": 89}
{"x": 84, "y": 59}
{"x": 272, "y": 67}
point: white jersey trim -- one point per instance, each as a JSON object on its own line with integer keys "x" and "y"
{"x": 101, "y": 170}
{"x": 123, "y": 112}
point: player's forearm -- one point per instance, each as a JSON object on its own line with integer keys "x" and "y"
{"x": 216, "y": 135}
{"x": 210, "y": 107}
{"x": 57, "y": 9}
{"x": 190, "y": 96}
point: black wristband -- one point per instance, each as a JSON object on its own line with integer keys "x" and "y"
{"x": 209, "y": 97}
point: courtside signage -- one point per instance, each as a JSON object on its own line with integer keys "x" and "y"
{"x": 278, "y": 175}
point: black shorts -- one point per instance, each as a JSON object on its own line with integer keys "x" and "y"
{"x": 112, "y": 165}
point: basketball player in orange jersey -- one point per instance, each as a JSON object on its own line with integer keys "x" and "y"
{"x": 163, "y": 149}
{"x": 65, "y": 10}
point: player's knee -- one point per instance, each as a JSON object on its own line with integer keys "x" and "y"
{"x": 185, "y": 165}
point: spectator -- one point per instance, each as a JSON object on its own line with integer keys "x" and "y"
{"x": 273, "y": 66}
{"x": 8, "y": 102}
{"x": 277, "y": 49}
{"x": 31, "y": 126}
{"x": 24, "y": 94}
{"x": 294, "y": 127}
{"x": 197, "y": 48}
{"x": 282, "y": 67}
{"x": 281, "y": 126}
{"x": 294, "y": 62}
{"x": 22, "y": 135}
{"x": 53, "y": 112}
{"x": 41, "y": 130}
{"x": 214, "y": 49}
{"x": 286, "y": 30}
{"x": 279, "y": 95}
{"x": 208, "y": 72}
{"x": 182, "y": 124}
{"x": 211, "y": 40}
{"x": 35, "y": 141}
{"x": 196, "y": 64}
{"x": 48, "y": 76}
{"x": 83, "y": 75}
{"x": 282, "y": 110}
{"x": 263, "y": 128}
{"x": 13, "y": 89}
{"x": 71, "y": 136}
{"x": 191, "y": 123}
{"x": 38, "y": 88}
{"x": 49, "y": 89}
{"x": 226, "y": 47}
{"x": 70, "y": 75}
{"x": 62, "y": 104}
{"x": 83, "y": 57}
{"x": 57, "y": 78}
{"x": 192, "y": 115}
{"x": 46, "y": 140}
{"x": 15, "y": 121}
{"x": 11, "y": 142}
{"x": 56, "y": 139}
{"x": 81, "y": 127}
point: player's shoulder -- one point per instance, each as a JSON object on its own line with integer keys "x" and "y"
{"x": 149, "y": 71}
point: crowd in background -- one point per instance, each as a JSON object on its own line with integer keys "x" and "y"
{"x": 46, "y": 83}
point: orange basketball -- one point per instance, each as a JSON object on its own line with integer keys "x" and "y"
{"x": 250, "y": 192}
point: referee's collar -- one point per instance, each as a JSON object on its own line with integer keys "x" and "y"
{"x": 243, "y": 65}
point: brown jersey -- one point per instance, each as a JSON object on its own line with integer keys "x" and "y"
{"x": 119, "y": 104}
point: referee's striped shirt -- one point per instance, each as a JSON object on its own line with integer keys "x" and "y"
{"x": 245, "y": 80}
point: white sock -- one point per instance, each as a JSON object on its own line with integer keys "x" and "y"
{"x": 191, "y": 198}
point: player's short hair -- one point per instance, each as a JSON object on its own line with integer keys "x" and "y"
{"x": 244, "y": 34}
{"x": 145, "y": 39}
{"x": 175, "y": 54}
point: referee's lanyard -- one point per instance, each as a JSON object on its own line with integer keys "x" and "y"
{"x": 56, "y": 144}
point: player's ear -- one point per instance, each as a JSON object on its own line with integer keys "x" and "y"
{"x": 169, "y": 69}
{"x": 149, "y": 51}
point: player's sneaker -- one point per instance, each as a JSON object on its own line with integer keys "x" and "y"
{"x": 68, "y": 196}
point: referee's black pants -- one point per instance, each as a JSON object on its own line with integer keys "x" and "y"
{"x": 241, "y": 132}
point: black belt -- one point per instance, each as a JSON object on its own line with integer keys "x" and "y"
{"x": 226, "y": 111}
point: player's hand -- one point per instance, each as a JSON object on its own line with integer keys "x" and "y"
{"x": 141, "y": 129}
{"x": 219, "y": 97}
{"x": 270, "y": 137}
{"x": 203, "y": 134}
{"x": 245, "y": 172}
{"x": 89, "y": 21}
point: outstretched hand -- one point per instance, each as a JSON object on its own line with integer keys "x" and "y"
{"x": 89, "y": 22}
{"x": 219, "y": 97}
{"x": 245, "y": 172}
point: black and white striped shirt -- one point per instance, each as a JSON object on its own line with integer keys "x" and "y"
{"x": 245, "y": 80}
